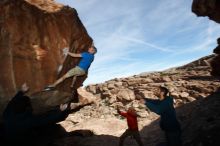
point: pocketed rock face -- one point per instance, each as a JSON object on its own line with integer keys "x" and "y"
{"x": 210, "y": 8}
{"x": 33, "y": 34}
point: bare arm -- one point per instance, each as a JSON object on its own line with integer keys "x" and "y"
{"x": 74, "y": 54}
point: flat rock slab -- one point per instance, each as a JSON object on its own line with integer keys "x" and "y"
{"x": 47, "y": 100}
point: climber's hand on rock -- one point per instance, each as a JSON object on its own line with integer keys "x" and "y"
{"x": 65, "y": 51}
{"x": 24, "y": 88}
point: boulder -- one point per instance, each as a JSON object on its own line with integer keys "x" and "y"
{"x": 118, "y": 84}
{"x": 47, "y": 100}
{"x": 125, "y": 95}
{"x": 184, "y": 94}
{"x": 166, "y": 79}
{"x": 190, "y": 99}
{"x": 146, "y": 93}
{"x": 111, "y": 86}
{"x": 215, "y": 62}
{"x": 85, "y": 97}
{"x": 33, "y": 35}
{"x": 109, "y": 126}
{"x": 91, "y": 88}
{"x": 147, "y": 80}
{"x": 210, "y": 8}
{"x": 175, "y": 94}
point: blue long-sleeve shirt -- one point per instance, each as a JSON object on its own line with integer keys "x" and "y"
{"x": 165, "y": 109}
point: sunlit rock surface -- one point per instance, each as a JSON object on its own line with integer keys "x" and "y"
{"x": 33, "y": 35}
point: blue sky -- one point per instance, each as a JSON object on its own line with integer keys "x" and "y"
{"x": 135, "y": 36}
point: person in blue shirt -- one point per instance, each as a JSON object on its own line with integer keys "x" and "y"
{"x": 81, "y": 69}
{"x": 168, "y": 122}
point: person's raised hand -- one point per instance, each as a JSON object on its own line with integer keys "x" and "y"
{"x": 142, "y": 101}
{"x": 117, "y": 107}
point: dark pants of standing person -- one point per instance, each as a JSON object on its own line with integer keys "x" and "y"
{"x": 133, "y": 133}
{"x": 173, "y": 138}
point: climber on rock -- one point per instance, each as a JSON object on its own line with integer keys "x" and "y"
{"x": 81, "y": 69}
{"x": 132, "y": 130}
{"x": 168, "y": 123}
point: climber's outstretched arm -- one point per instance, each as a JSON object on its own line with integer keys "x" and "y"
{"x": 74, "y": 54}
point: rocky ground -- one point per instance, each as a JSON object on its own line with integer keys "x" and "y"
{"x": 196, "y": 100}
{"x": 197, "y": 103}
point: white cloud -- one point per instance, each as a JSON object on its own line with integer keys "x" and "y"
{"x": 149, "y": 45}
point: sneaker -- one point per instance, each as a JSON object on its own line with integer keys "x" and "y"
{"x": 49, "y": 88}
{"x": 65, "y": 107}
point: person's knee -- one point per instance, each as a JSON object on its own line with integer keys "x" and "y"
{"x": 65, "y": 76}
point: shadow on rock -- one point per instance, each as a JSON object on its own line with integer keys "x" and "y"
{"x": 200, "y": 122}
{"x": 21, "y": 126}
{"x": 203, "y": 78}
